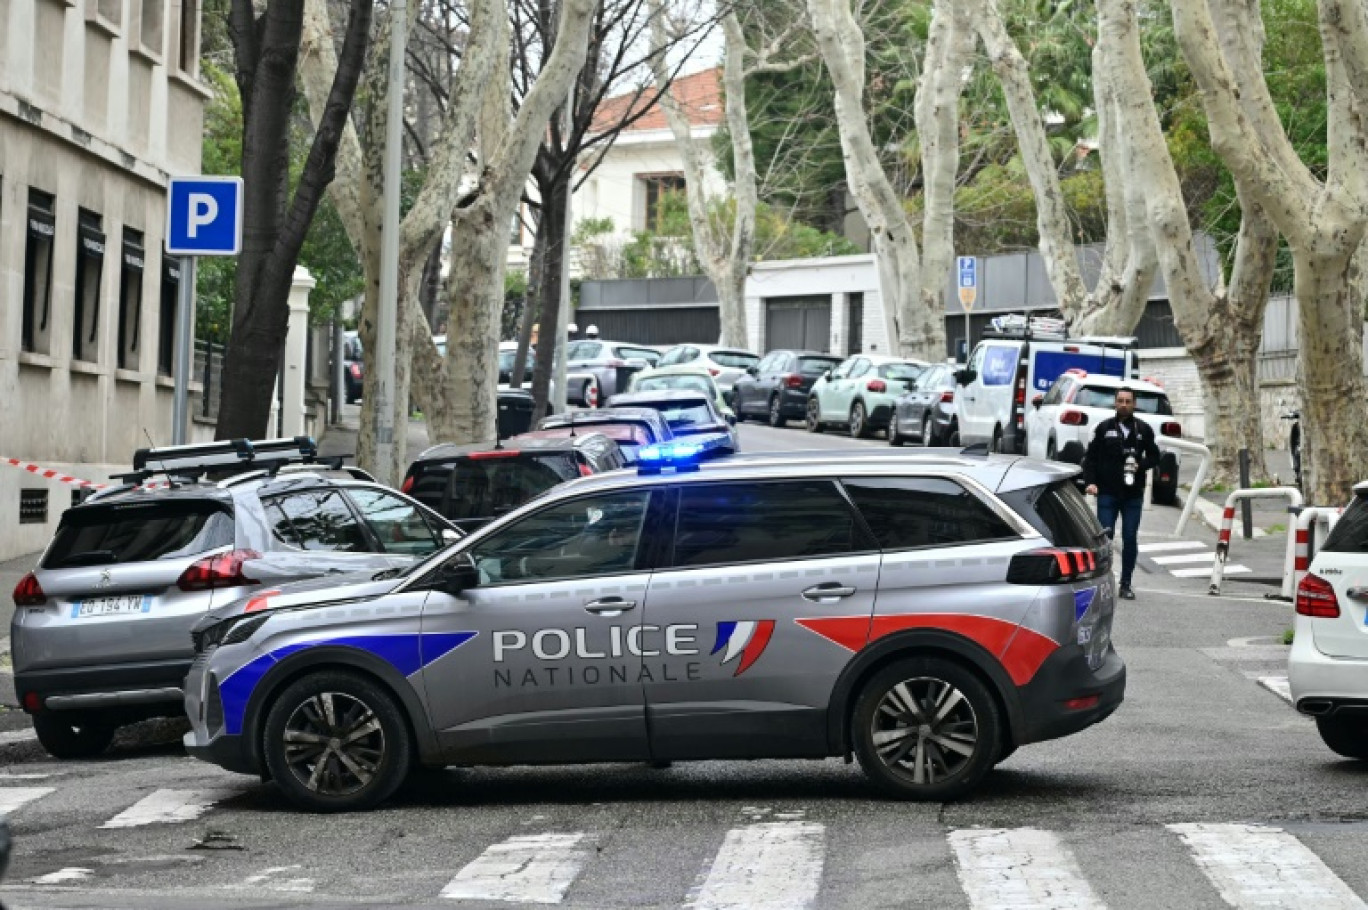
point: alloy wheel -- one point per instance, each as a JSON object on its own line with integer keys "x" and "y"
{"x": 334, "y": 744}
{"x": 924, "y": 730}
{"x": 928, "y": 438}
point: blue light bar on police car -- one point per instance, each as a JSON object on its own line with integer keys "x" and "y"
{"x": 681, "y": 454}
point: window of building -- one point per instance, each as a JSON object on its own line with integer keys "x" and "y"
{"x": 658, "y": 188}
{"x": 42, "y": 228}
{"x": 130, "y": 300}
{"x": 166, "y": 316}
{"x": 107, "y": 13}
{"x": 187, "y": 45}
{"x": 90, "y": 248}
{"x": 515, "y": 236}
{"x": 151, "y": 25}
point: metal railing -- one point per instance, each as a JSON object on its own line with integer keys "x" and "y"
{"x": 1294, "y": 498}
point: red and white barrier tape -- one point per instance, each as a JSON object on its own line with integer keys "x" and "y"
{"x": 59, "y": 477}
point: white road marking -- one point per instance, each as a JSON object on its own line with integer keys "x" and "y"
{"x": 1185, "y": 557}
{"x": 1020, "y": 869}
{"x": 1278, "y": 685}
{"x": 267, "y": 880}
{"x": 1205, "y": 571}
{"x": 767, "y": 866}
{"x": 168, "y": 807}
{"x": 6, "y": 775}
{"x": 10, "y": 737}
{"x": 62, "y": 876}
{"x": 1261, "y": 866}
{"x": 526, "y": 868}
{"x": 11, "y": 798}
{"x": 1171, "y": 545}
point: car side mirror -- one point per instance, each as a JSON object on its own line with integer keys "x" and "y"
{"x": 752, "y": 371}
{"x": 457, "y": 576}
{"x": 449, "y": 536}
{"x": 1036, "y": 401}
{"x": 965, "y": 376}
{"x": 731, "y": 419}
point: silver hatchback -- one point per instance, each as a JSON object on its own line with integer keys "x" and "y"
{"x": 101, "y": 630}
{"x": 926, "y": 614}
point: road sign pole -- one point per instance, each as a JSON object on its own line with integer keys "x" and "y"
{"x": 185, "y": 333}
{"x": 967, "y": 341}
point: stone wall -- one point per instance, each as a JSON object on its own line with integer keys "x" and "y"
{"x": 1173, "y": 369}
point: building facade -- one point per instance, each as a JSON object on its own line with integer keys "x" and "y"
{"x": 100, "y": 102}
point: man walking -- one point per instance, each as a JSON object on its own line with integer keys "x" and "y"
{"x": 1122, "y": 450}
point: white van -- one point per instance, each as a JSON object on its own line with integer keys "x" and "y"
{"x": 1013, "y": 364}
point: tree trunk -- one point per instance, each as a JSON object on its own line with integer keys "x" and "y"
{"x": 430, "y": 287}
{"x": 555, "y": 196}
{"x": 531, "y": 313}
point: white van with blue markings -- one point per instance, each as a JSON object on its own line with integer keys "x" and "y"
{"x": 1017, "y": 360}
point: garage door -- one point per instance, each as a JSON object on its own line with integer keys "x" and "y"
{"x": 798, "y": 322}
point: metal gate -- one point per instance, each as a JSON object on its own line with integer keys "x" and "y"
{"x": 802, "y": 323}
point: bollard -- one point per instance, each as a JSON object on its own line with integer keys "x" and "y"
{"x": 1246, "y": 507}
{"x": 1292, "y": 494}
{"x": 1192, "y": 448}
{"x": 1303, "y": 550}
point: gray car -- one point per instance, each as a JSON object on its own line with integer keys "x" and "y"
{"x": 926, "y": 613}
{"x": 608, "y": 361}
{"x": 101, "y": 630}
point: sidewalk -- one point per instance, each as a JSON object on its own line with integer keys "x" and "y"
{"x": 340, "y": 439}
{"x": 1269, "y": 515}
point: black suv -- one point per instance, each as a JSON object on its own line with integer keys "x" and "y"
{"x": 776, "y": 389}
{"x": 473, "y": 484}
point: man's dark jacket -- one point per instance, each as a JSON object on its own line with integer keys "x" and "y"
{"x": 1104, "y": 464}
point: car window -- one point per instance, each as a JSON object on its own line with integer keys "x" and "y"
{"x": 670, "y": 357}
{"x": 630, "y": 353}
{"x": 816, "y": 366}
{"x": 905, "y": 372}
{"x": 768, "y": 364}
{"x": 138, "y": 532}
{"x": 682, "y": 414}
{"x": 976, "y": 359}
{"x": 581, "y": 538}
{"x": 908, "y": 512}
{"x": 1105, "y": 397}
{"x": 736, "y": 360}
{"x": 761, "y": 522}
{"x": 688, "y": 354}
{"x": 1056, "y": 393}
{"x": 397, "y": 524}
{"x": 484, "y": 487}
{"x": 860, "y": 367}
{"x": 1350, "y": 534}
{"x": 842, "y": 371}
{"x": 685, "y": 381}
{"x": 321, "y": 520}
{"x": 583, "y": 350}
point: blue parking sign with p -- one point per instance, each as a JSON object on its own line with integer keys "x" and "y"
{"x": 968, "y": 271}
{"x": 204, "y": 216}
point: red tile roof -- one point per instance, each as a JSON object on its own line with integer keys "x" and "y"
{"x": 700, "y": 94}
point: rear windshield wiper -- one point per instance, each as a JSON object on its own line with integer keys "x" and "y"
{"x": 88, "y": 558}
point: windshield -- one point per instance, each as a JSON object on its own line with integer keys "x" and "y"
{"x": 816, "y": 366}
{"x": 1103, "y": 397}
{"x": 483, "y": 487}
{"x": 737, "y": 360}
{"x": 138, "y": 532}
{"x": 901, "y": 372}
{"x": 685, "y": 413}
{"x": 686, "y": 381}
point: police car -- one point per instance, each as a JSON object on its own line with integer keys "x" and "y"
{"x": 926, "y": 613}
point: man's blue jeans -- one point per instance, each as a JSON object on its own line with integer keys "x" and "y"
{"x": 1129, "y": 508}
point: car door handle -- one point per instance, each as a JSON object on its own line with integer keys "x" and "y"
{"x": 1357, "y": 593}
{"x": 828, "y": 592}
{"x": 609, "y": 606}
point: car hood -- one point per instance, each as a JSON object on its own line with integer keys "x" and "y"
{"x": 312, "y": 592}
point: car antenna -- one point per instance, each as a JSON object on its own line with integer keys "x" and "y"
{"x": 152, "y": 447}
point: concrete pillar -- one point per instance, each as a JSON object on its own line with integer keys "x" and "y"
{"x": 293, "y": 376}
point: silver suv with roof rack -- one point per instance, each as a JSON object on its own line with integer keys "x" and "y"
{"x": 927, "y": 614}
{"x": 101, "y": 629}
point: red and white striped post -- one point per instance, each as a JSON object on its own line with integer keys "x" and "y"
{"x": 1294, "y": 497}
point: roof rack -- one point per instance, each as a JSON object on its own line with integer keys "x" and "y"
{"x": 977, "y": 449}
{"x": 274, "y": 468}
{"x": 1016, "y": 325}
{"x": 194, "y": 461}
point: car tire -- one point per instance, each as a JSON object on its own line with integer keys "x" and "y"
{"x": 894, "y": 437}
{"x": 928, "y": 436}
{"x": 1050, "y": 450}
{"x": 72, "y": 736}
{"x": 996, "y": 446}
{"x": 330, "y": 784}
{"x": 859, "y": 421}
{"x": 954, "y": 435}
{"x": 1165, "y": 492}
{"x": 894, "y": 753}
{"x": 1346, "y": 735}
{"x": 814, "y": 425}
{"x": 776, "y": 413}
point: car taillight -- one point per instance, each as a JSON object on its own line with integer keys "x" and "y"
{"x": 1172, "y": 428}
{"x": 1073, "y": 419}
{"x": 793, "y": 381}
{"x": 714, "y": 371}
{"x": 221, "y": 571}
{"x": 407, "y": 485}
{"x": 1056, "y": 565}
{"x": 1021, "y": 391}
{"x": 1316, "y": 597}
{"x": 876, "y": 385}
{"x": 494, "y": 453}
{"x": 947, "y": 397}
{"x": 28, "y": 593}
{"x": 585, "y": 470}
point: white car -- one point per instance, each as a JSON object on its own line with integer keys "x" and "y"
{"x": 1077, "y": 402}
{"x": 860, "y": 393}
{"x": 1328, "y": 667}
{"x": 725, "y": 365}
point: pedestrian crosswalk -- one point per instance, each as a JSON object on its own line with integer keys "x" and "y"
{"x": 1187, "y": 558}
{"x": 785, "y": 860}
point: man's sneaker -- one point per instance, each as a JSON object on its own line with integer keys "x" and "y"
{"x": 1126, "y": 593}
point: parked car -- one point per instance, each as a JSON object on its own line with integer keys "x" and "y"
{"x": 100, "y": 634}
{"x": 609, "y": 363}
{"x": 725, "y": 365}
{"x": 860, "y": 393}
{"x": 687, "y": 413}
{"x": 1327, "y": 668}
{"x": 1022, "y": 358}
{"x": 471, "y": 485}
{"x": 686, "y": 378}
{"x": 776, "y": 388}
{"x": 1078, "y": 401}
{"x": 786, "y": 616}
{"x": 353, "y": 370}
{"x": 926, "y": 411}
{"x": 622, "y": 425}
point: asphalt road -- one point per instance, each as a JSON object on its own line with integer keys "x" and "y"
{"x": 1204, "y": 790}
